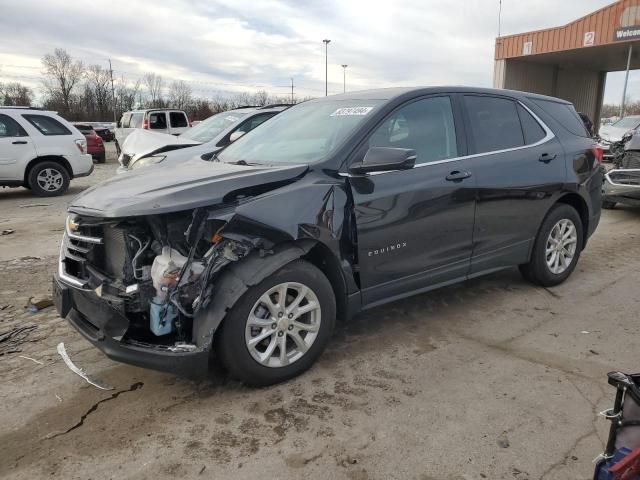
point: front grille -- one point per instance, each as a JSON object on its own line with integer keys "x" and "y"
{"x": 91, "y": 244}
{"x": 630, "y": 177}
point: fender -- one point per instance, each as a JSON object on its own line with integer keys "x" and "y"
{"x": 322, "y": 212}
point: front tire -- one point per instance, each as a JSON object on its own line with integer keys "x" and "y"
{"x": 557, "y": 247}
{"x": 279, "y": 327}
{"x": 48, "y": 179}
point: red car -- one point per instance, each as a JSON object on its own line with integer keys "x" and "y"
{"x": 95, "y": 145}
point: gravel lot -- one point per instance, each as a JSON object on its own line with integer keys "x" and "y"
{"x": 492, "y": 379}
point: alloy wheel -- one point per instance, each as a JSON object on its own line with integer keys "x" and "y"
{"x": 50, "y": 179}
{"x": 283, "y": 324}
{"x": 561, "y": 246}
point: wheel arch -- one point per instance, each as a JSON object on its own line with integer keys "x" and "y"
{"x": 47, "y": 158}
{"x": 238, "y": 277}
{"x": 576, "y": 201}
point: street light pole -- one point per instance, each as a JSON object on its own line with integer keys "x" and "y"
{"x": 344, "y": 78}
{"x": 326, "y": 42}
{"x": 113, "y": 93}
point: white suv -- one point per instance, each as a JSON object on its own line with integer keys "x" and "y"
{"x": 40, "y": 151}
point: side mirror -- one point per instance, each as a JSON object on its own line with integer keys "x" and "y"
{"x": 235, "y": 135}
{"x": 383, "y": 159}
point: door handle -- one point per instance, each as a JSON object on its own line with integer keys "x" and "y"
{"x": 19, "y": 142}
{"x": 546, "y": 158}
{"x": 457, "y": 176}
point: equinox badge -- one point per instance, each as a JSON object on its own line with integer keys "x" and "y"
{"x": 387, "y": 249}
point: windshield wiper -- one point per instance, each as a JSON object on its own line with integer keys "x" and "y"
{"x": 244, "y": 162}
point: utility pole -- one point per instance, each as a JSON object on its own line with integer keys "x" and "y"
{"x": 113, "y": 94}
{"x": 499, "y": 16}
{"x": 291, "y": 91}
{"x": 326, "y": 42}
{"x": 344, "y": 78}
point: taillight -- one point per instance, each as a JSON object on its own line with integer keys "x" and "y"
{"x": 82, "y": 145}
{"x": 598, "y": 153}
{"x": 145, "y": 124}
{"x": 189, "y": 121}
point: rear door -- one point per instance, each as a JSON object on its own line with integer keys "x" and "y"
{"x": 518, "y": 165}
{"x": 178, "y": 122}
{"x": 158, "y": 122}
{"x": 414, "y": 227}
{"x": 16, "y": 149}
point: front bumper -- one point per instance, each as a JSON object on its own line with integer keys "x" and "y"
{"x": 622, "y": 185}
{"x": 102, "y": 325}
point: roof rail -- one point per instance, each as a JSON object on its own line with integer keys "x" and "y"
{"x": 246, "y": 106}
{"x": 22, "y": 107}
{"x": 274, "y": 105}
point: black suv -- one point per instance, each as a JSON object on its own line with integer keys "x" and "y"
{"x": 334, "y": 206}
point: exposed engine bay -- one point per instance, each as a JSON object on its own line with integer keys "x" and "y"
{"x": 157, "y": 271}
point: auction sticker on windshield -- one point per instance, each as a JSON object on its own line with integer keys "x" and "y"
{"x": 351, "y": 111}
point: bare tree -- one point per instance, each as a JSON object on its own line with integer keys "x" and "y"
{"x": 62, "y": 76}
{"x": 126, "y": 95}
{"x": 15, "y": 94}
{"x": 153, "y": 83}
{"x": 261, "y": 97}
{"x": 99, "y": 82}
{"x": 179, "y": 95}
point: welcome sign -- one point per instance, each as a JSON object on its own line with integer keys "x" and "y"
{"x": 629, "y": 22}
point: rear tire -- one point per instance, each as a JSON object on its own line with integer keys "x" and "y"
{"x": 557, "y": 247}
{"x": 101, "y": 157}
{"x": 608, "y": 204}
{"x": 259, "y": 315}
{"x": 48, "y": 179}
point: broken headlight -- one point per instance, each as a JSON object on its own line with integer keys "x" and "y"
{"x": 143, "y": 162}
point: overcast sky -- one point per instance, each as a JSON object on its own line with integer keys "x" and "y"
{"x": 222, "y": 46}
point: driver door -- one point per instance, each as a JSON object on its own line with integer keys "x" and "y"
{"x": 415, "y": 226}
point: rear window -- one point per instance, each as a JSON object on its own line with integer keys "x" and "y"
{"x": 157, "y": 121}
{"x": 178, "y": 119}
{"x": 495, "y": 124}
{"x": 565, "y": 114}
{"x": 47, "y": 125}
{"x": 533, "y": 131}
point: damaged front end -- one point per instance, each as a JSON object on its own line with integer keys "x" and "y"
{"x": 138, "y": 288}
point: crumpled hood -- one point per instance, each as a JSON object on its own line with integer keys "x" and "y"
{"x": 183, "y": 186}
{"x": 612, "y": 134}
{"x": 142, "y": 143}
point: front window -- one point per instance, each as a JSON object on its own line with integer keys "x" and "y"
{"x": 306, "y": 133}
{"x": 206, "y": 130}
{"x": 10, "y": 128}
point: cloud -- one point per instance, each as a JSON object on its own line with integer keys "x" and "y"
{"x": 239, "y": 45}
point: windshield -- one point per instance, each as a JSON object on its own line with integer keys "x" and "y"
{"x": 212, "y": 126}
{"x": 628, "y": 123}
{"x": 306, "y": 133}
